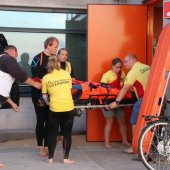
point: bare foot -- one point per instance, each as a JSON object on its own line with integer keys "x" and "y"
{"x": 126, "y": 143}
{"x": 68, "y": 161}
{"x": 2, "y": 165}
{"x": 62, "y": 138}
{"x": 46, "y": 150}
{"x": 58, "y": 138}
{"x": 50, "y": 161}
{"x": 128, "y": 151}
{"x": 42, "y": 151}
{"x": 108, "y": 146}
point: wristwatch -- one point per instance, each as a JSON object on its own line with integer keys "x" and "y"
{"x": 117, "y": 102}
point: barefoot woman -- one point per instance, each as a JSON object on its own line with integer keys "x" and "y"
{"x": 57, "y": 85}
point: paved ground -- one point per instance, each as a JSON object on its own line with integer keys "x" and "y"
{"x": 23, "y": 155}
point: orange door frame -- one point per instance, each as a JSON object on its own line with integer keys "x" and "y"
{"x": 150, "y": 7}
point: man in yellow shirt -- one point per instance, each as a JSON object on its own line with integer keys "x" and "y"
{"x": 136, "y": 77}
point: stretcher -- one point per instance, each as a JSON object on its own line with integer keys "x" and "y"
{"x": 157, "y": 84}
{"x": 93, "y": 95}
{"x": 96, "y": 95}
{"x": 86, "y": 95}
{"x": 79, "y": 108}
{"x": 100, "y": 106}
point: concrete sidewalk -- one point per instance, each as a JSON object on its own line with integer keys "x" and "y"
{"x": 23, "y": 154}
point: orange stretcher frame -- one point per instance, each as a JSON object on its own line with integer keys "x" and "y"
{"x": 157, "y": 84}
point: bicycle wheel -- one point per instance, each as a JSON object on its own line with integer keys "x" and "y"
{"x": 154, "y": 145}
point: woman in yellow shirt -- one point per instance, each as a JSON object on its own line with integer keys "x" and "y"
{"x": 115, "y": 78}
{"x": 57, "y": 86}
{"x": 62, "y": 56}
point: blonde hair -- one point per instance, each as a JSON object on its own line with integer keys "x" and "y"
{"x": 53, "y": 63}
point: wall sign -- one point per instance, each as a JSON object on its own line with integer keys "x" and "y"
{"x": 166, "y": 9}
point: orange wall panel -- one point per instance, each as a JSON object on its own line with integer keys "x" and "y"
{"x": 113, "y": 31}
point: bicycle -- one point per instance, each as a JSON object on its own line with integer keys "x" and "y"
{"x": 154, "y": 143}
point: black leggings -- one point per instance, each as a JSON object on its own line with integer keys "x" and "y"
{"x": 54, "y": 119}
{"x": 41, "y": 125}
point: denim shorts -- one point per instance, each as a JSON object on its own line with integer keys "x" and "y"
{"x": 119, "y": 112}
{"x": 135, "y": 112}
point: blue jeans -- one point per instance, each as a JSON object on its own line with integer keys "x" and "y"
{"x": 135, "y": 111}
{"x": 77, "y": 87}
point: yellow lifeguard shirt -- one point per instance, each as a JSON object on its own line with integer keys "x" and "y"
{"x": 58, "y": 85}
{"x": 111, "y": 76}
{"x": 68, "y": 67}
{"x": 138, "y": 77}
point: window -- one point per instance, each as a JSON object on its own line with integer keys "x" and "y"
{"x": 28, "y": 30}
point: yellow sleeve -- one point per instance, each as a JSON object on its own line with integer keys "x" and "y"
{"x": 70, "y": 82}
{"x": 131, "y": 77}
{"x": 68, "y": 67}
{"x": 104, "y": 78}
{"x": 44, "y": 86}
{"x": 123, "y": 76}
